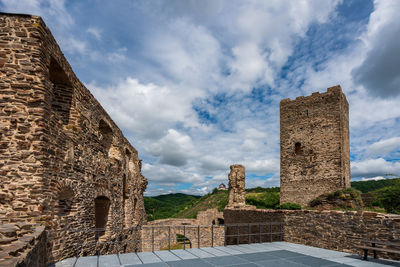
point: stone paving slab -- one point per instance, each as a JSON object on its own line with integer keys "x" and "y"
{"x": 252, "y": 248}
{"x": 200, "y": 253}
{"x": 190, "y": 263}
{"x": 90, "y": 261}
{"x": 229, "y": 250}
{"x": 215, "y": 252}
{"x": 226, "y": 260}
{"x": 183, "y": 254}
{"x": 148, "y": 257}
{"x": 242, "y": 249}
{"x": 108, "y": 260}
{"x": 129, "y": 258}
{"x": 70, "y": 262}
{"x": 166, "y": 256}
{"x": 264, "y": 247}
{"x": 156, "y": 264}
{"x": 253, "y": 255}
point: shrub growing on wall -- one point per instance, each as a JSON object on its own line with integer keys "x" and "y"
{"x": 389, "y": 198}
{"x": 263, "y": 200}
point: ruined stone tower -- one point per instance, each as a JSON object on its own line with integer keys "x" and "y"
{"x": 64, "y": 163}
{"x": 315, "y": 151}
{"x": 237, "y": 194}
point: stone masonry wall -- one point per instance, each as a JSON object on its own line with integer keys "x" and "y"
{"x": 315, "y": 151}
{"x": 336, "y": 230}
{"x": 260, "y": 225}
{"x": 210, "y": 216}
{"x": 237, "y": 194}
{"x": 159, "y": 234}
{"x": 63, "y": 161}
{"x": 23, "y": 244}
{"x": 205, "y": 236}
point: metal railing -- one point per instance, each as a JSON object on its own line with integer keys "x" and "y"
{"x": 257, "y": 226}
{"x": 165, "y": 237}
{"x": 239, "y": 233}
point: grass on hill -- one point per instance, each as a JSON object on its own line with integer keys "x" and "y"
{"x": 369, "y": 186}
{"x": 263, "y": 200}
{"x": 166, "y": 206}
{"x": 380, "y": 194}
{"x": 216, "y": 199}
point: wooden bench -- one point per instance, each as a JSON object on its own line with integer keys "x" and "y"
{"x": 374, "y": 248}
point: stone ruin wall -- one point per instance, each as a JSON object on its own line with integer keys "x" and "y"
{"x": 329, "y": 229}
{"x": 208, "y": 223}
{"x": 315, "y": 150}
{"x": 28, "y": 246}
{"x": 236, "y": 191}
{"x": 61, "y": 155}
{"x": 210, "y": 216}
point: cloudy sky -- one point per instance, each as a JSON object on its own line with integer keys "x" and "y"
{"x": 196, "y": 85}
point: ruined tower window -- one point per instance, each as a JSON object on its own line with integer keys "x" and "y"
{"x": 125, "y": 197}
{"x": 65, "y": 199}
{"x": 134, "y": 212}
{"x": 221, "y": 221}
{"x": 297, "y": 148}
{"x": 128, "y": 153}
{"x": 106, "y": 134}
{"x": 124, "y": 187}
{"x": 62, "y": 92}
{"x": 102, "y": 207}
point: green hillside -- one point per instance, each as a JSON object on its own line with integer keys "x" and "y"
{"x": 166, "y": 206}
{"x": 369, "y": 186}
{"x": 382, "y": 193}
{"x": 216, "y": 199}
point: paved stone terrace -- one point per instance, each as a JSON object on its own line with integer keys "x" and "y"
{"x": 263, "y": 254}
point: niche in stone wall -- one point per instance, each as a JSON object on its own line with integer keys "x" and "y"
{"x": 106, "y": 135}
{"x": 125, "y": 197}
{"x": 65, "y": 201}
{"x": 297, "y": 148}
{"x": 125, "y": 193}
{"x": 135, "y": 214}
{"x": 102, "y": 209}
{"x": 218, "y": 221}
{"x": 128, "y": 156}
{"x": 61, "y": 100}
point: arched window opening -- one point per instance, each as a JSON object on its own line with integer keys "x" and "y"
{"x": 221, "y": 221}
{"x": 62, "y": 91}
{"x": 128, "y": 153}
{"x": 297, "y": 148}
{"x": 183, "y": 240}
{"x": 65, "y": 201}
{"x": 125, "y": 192}
{"x": 125, "y": 197}
{"x": 213, "y": 222}
{"x": 106, "y": 134}
{"x": 133, "y": 211}
{"x": 102, "y": 207}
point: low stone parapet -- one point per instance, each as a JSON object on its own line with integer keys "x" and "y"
{"x": 336, "y": 230}
{"x": 23, "y": 244}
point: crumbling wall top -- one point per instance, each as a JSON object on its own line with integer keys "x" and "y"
{"x": 331, "y": 90}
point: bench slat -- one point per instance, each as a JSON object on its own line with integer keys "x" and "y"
{"x": 379, "y": 249}
{"x": 387, "y": 243}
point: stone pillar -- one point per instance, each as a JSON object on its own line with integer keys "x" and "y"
{"x": 237, "y": 194}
